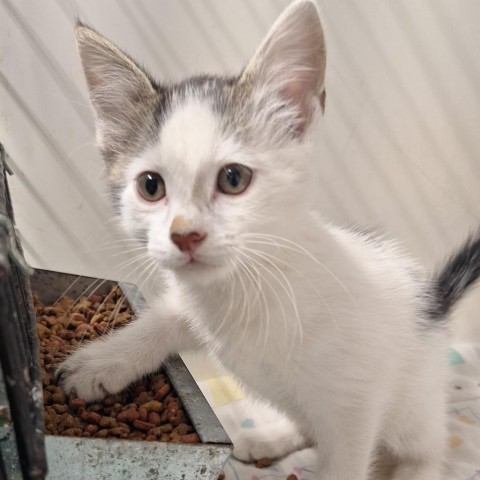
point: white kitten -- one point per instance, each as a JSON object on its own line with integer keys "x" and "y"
{"x": 336, "y": 328}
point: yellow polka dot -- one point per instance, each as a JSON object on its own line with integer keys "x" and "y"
{"x": 465, "y": 419}
{"x": 455, "y": 441}
{"x": 224, "y": 390}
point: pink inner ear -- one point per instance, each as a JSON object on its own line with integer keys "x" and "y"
{"x": 298, "y": 93}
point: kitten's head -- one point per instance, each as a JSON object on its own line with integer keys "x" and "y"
{"x": 198, "y": 168}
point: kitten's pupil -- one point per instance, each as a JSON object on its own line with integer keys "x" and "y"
{"x": 233, "y": 176}
{"x": 151, "y": 184}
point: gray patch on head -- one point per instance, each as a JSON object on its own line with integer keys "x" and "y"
{"x": 253, "y": 119}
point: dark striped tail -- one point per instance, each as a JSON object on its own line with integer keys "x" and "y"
{"x": 459, "y": 273}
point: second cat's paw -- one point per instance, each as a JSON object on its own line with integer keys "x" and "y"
{"x": 93, "y": 373}
{"x": 266, "y": 442}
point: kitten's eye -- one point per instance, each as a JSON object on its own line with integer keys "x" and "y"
{"x": 234, "y": 179}
{"x": 150, "y": 186}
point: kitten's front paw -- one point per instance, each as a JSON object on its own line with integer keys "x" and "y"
{"x": 93, "y": 373}
{"x": 266, "y": 442}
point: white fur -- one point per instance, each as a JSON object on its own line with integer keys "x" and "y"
{"x": 323, "y": 322}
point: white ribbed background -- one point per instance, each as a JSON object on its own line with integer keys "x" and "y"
{"x": 401, "y": 136}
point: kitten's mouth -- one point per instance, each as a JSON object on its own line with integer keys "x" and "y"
{"x": 192, "y": 261}
{"x": 192, "y": 265}
{"x": 198, "y": 261}
{"x": 201, "y": 268}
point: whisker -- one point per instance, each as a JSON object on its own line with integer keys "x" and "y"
{"x": 131, "y": 261}
{"x": 247, "y": 266}
{"x": 124, "y": 240}
{"x": 289, "y": 291}
{"x": 244, "y": 306}
{"x": 232, "y": 298}
{"x": 254, "y": 282}
{"x": 310, "y": 283}
{"x": 127, "y": 251}
{"x": 143, "y": 261}
{"x": 119, "y": 246}
{"x": 112, "y": 320}
{"x": 256, "y": 262}
{"x": 109, "y": 294}
{"x": 67, "y": 290}
{"x": 152, "y": 270}
{"x": 79, "y": 147}
{"x": 300, "y": 249}
{"x": 92, "y": 287}
{"x": 260, "y": 254}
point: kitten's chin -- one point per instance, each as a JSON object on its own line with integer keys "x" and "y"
{"x": 196, "y": 272}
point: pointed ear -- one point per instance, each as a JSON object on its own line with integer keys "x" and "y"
{"x": 121, "y": 93}
{"x": 291, "y": 60}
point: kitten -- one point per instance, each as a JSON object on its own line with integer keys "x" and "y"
{"x": 336, "y": 328}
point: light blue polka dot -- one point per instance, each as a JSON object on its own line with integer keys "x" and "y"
{"x": 454, "y": 357}
{"x": 248, "y": 423}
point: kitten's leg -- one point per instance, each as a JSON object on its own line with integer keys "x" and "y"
{"x": 346, "y": 443}
{"x": 420, "y": 449}
{"x": 337, "y": 463}
{"x": 416, "y": 428}
{"x": 110, "y": 364}
{"x": 419, "y": 471}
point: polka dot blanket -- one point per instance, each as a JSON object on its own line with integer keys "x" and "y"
{"x": 462, "y": 463}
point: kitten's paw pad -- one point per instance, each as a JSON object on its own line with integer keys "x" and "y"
{"x": 266, "y": 442}
{"x": 92, "y": 373}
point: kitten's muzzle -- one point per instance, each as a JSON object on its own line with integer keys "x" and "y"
{"x": 187, "y": 242}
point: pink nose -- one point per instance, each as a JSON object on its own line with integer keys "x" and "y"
{"x": 188, "y": 242}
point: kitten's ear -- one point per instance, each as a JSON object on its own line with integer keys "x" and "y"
{"x": 122, "y": 94}
{"x": 291, "y": 59}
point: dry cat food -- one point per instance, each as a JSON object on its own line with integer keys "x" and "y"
{"x": 267, "y": 462}
{"x": 147, "y": 410}
{"x": 263, "y": 462}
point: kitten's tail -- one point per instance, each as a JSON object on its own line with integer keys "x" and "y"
{"x": 460, "y": 272}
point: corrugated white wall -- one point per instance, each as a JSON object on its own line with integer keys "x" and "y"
{"x": 401, "y": 143}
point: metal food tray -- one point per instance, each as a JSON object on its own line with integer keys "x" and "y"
{"x": 77, "y": 458}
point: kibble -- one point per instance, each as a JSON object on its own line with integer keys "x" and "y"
{"x": 263, "y": 462}
{"x": 144, "y": 426}
{"x": 149, "y": 410}
{"x": 128, "y": 416}
{"x": 189, "y": 438}
{"x": 76, "y": 403}
{"x": 153, "y": 406}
